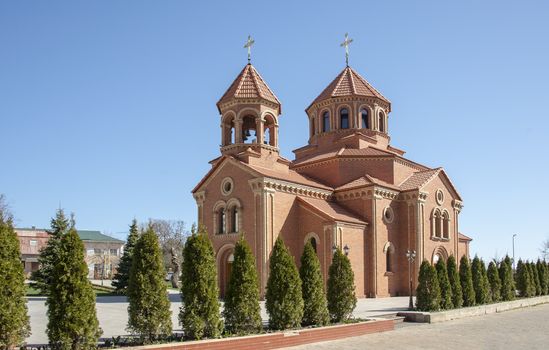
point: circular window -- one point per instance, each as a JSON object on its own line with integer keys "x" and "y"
{"x": 388, "y": 214}
{"x": 439, "y": 196}
{"x": 227, "y": 186}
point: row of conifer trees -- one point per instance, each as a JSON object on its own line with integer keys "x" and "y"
{"x": 443, "y": 286}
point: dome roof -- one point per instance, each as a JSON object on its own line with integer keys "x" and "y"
{"x": 349, "y": 83}
{"x": 248, "y": 84}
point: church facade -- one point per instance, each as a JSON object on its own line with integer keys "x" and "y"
{"x": 348, "y": 187}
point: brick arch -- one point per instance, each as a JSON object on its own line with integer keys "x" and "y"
{"x": 223, "y": 269}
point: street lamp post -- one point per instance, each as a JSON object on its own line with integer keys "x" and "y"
{"x": 410, "y": 255}
{"x": 514, "y": 251}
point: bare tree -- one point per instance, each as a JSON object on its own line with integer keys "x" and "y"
{"x": 4, "y": 208}
{"x": 171, "y": 235}
{"x": 544, "y": 250}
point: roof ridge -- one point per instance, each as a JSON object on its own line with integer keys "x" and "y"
{"x": 353, "y": 85}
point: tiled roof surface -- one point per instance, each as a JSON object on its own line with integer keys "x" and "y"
{"x": 291, "y": 176}
{"x": 332, "y": 210}
{"x": 345, "y": 152}
{"x": 418, "y": 179}
{"x": 464, "y": 237}
{"x": 349, "y": 83}
{"x": 249, "y": 84}
{"x": 365, "y": 181}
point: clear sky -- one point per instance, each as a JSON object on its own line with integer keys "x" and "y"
{"x": 107, "y": 108}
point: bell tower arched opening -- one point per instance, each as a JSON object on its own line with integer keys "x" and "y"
{"x": 249, "y": 129}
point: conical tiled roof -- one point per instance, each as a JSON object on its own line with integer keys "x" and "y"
{"x": 248, "y": 84}
{"x": 349, "y": 83}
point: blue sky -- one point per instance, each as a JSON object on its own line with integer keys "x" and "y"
{"x": 108, "y": 107}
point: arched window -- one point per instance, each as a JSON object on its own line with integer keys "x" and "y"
{"x": 344, "y": 118}
{"x": 445, "y": 225}
{"x": 388, "y": 268}
{"x": 234, "y": 219}
{"x": 438, "y": 224}
{"x": 249, "y": 129}
{"x": 381, "y": 124}
{"x": 221, "y": 221}
{"x": 364, "y": 117}
{"x": 313, "y": 243}
{"x": 326, "y": 122}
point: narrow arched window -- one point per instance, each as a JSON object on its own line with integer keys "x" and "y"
{"x": 438, "y": 224}
{"x": 234, "y": 219}
{"x": 445, "y": 225}
{"x": 364, "y": 117}
{"x": 381, "y": 124}
{"x": 326, "y": 122}
{"x": 221, "y": 226}
{"x": 344, "y": 118}
{"x": 313, "y": 243}
{"x": 388, "y": 265}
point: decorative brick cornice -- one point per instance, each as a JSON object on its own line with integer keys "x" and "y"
{"x": 457, "y": 205}
{"x": 272, "y": 185}
{"x": 371, "y": 191}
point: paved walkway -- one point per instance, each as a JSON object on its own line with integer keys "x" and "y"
{"x": 113, "y": 316}
{"x": 518, "y": 329}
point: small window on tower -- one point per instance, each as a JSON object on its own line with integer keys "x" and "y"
{"x": 364, "y": 116}
{"x": 344, "y": 118}
{"x": 326, "y": 122}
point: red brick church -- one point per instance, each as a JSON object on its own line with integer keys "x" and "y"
{"x": 347, "y": 187}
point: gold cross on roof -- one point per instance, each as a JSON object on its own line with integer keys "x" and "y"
{"x": 346, "y": 44}
{"x": 248, "y": 45}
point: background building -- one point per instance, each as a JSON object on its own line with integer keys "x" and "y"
{"x": 102, "y": 253}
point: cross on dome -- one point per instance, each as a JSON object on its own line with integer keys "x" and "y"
{"x": 346, "y": 44}
{"x": 249, "y": 43}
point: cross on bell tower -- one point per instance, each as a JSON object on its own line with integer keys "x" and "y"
{"x": 346, "y": 44}
{"x": 249, "y": 43}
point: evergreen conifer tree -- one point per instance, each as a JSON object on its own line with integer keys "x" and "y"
{"x": 14, "y": 321}
{"x": 199, "y": 315}
{"x": 523, "y": 277}
{"x": 283, "y": 300}
{"x": 466, "y": 278}
{"x": 428, "y": 289}
{"x": 341, "y": 288}
{"x": 72, "y": 320}
{"x": 536, "y": 279}
{"x": 446, "y": 294}
{"x": 507, "y": 280}
{"x": 149, "y": 313}
{"x": 453, "y": 277}
{"x": 122, "y": 276}
{"x": 241, "y": 310}
{"x": 542, "y": 273}
{"x": 532, "y": 285}
{"x": 480, "y": 281}
{"x": 494, "y": 281}
{"x": 47, "y": 259}
{"x": 315, "y": 305}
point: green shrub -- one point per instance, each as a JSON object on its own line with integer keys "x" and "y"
{"x": 536, "y": 279}
{"x": 241, "y": 311}
{"x": 315, "y": 305}
{"x": 149, "y": 313}
{"x": 494, "y": 282}
{"x": 122, "y": 276}
{"x": 455, "y": 283}
{"x": 446, "y": 294}
{"x": 14, "y": 321}
{"x": 72, "y": 320}
{"x": 542, "y": 273}
{"x": 466, "y": 278}
{"x": 480, "y": 282}
{"x": 524, "y": 279}
{"x": 428, "y": 290}
{"x": 199, "y": 315}
{"x": 283, "y": 300}
{"x": 341, "y": 288}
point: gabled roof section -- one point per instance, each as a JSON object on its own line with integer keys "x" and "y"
{"x": 331, "y": 210}
{"x": 248, "y": 84}
{"x": 367, "y": 180}
{"x": 463, "y": 237}
{"x": 349, "y": 83}
{"x": 421, "y": 178}
{"x": 96, "y": 236}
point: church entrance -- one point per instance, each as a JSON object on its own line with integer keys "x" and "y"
{"x": 225, "y": 267}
